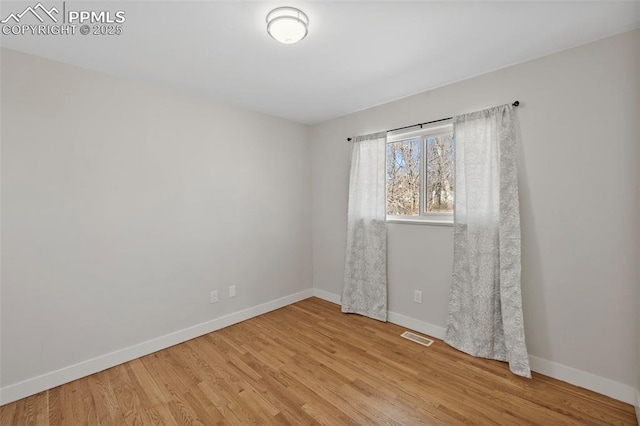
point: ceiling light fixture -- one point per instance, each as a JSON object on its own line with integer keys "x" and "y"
{"x": 288, "y": 25}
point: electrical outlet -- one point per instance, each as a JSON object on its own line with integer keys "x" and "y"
{"x": 417, "y": 296}
{"x": 213, "y": 296}
{"x": 232, "y": 291}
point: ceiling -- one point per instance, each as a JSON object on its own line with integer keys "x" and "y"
{"x": 358, "y": 54}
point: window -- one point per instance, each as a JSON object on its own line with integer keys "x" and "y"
{"x": 420, "y": 175}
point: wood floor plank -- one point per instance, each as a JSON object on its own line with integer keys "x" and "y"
{"x": 39, "y": 408}
{"x": 144, "y": 382}
{"x": 213, "y": 394}
{"x": 55, "y": 406}
{"x": 129, "y": 403}
{"x": 309, "y": 364}
{"x": 161, "y": 416}
{"x": 19, "y": 416}
{"x": 78, "y": 407}
{"x": 106, "y": 404}
{"x": 7, "y": 412}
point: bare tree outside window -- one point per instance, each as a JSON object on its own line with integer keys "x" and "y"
{"x": 403, "y": 177}
{"x": 440, "y": 177}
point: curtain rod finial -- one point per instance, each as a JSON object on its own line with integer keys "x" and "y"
{"x": 516, "y": 103}
{"x": 348, "y": 139}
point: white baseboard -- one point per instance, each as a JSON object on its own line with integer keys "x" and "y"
{"x": 416, "y": 325}
{"x": 85, "y": 368}
{"x": 616, "y": 390}
{"x": 325, "y": 295}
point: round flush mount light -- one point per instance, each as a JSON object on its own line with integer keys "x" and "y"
{"x": 288, "y": 25}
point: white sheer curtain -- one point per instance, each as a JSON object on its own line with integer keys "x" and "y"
{"x": 485, "y": 308}
{"x": 365, "y": 277}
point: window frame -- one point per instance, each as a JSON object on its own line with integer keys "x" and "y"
{"x": 425, "y": 217}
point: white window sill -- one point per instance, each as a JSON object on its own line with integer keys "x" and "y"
{"x": 420, "y": 221}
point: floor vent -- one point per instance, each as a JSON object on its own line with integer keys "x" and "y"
{"x": 416, "y": 338}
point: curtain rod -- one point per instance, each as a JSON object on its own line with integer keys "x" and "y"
{"x": 515, "y": 104}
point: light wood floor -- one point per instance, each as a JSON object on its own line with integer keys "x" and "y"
{"x": 310, "y": 364}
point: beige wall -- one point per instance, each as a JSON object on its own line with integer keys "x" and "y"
{"x": 123, "y": 205}
{"x": 578, "y": 177}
